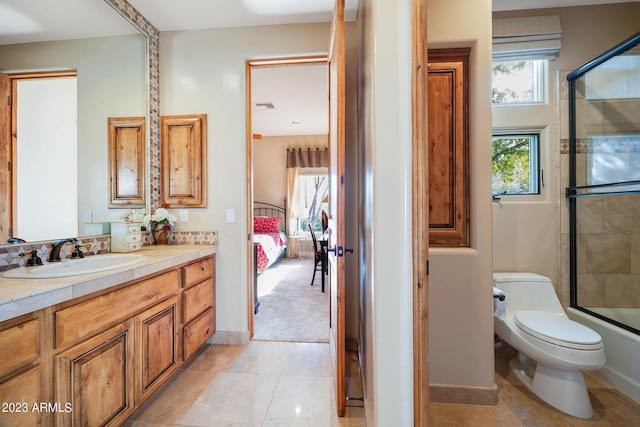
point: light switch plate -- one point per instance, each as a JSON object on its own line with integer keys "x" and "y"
{"x": 231, "y": 216}
{"x": 87, "y": 216}
{"x": 184, "y": 215}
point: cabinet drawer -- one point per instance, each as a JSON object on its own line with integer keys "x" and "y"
{"x": 197, "y": 299}
{"x": 198, "y": 271}
{"x": 80, "y": 320}
{"x": 19, "y": 345}
{"x": 197, "y": 332}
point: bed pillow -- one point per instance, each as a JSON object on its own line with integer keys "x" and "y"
{"x": 266, "y": 225}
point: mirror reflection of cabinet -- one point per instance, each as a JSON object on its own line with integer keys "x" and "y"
{"x": 448, "y": 91}
{"x": 127, "y": 156}
{"x": 184, "y": 159}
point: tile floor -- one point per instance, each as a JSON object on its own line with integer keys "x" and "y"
{"x": 289, "y": 384}
{"x": 263, "y": 383}
{"x": 517, "y": 406}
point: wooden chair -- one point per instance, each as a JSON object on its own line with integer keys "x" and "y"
{"x": 317, "y": 256}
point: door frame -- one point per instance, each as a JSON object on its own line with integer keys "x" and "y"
{"x": 420, "y": 212}
{"x": 9, "y": 118}
{"x": 250, "y": 66}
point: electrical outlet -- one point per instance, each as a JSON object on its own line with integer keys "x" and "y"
{"x": 87, "y": 216}
{"x": 231, "y": 216}
{"x": 184, "y": 215}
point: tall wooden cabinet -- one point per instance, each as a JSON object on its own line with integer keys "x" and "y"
{"x": 96, "y": 359}
{"x": 448, "y": 108}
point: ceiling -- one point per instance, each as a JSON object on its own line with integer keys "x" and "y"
{"x": 24, "y": 21}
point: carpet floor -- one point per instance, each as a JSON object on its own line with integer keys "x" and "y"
{"x": 290, "y": 309}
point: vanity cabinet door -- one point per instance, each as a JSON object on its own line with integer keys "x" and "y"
{"x": 20, "y": 373}
{"x": 157, "y": 355}
{"x": 18, "y": 395}
{"x": 97, "y": 378}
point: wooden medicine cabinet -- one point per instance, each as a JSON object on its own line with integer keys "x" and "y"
{"x": 448, "y": 147}
{"x": 127, "y": 161}
{"x": 184, "y": 159}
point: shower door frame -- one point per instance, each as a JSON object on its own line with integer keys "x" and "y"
{"x": 574, "y": 192}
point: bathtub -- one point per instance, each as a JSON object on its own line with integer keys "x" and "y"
{"x": 621, "y": 348}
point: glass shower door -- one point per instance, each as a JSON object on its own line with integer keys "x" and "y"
{"x": 604, "y": 186}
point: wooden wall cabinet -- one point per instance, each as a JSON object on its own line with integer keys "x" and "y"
{"x": 127, "y": 162}
{"x": 448, "y": 147}
{"x": 183, "y": 152}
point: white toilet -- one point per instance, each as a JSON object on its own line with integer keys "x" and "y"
{"x": 553, "y": 350}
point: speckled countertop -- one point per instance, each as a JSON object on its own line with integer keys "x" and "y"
{"x": 22, "y": 296}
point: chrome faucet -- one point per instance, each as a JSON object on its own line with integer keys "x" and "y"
{"x": 54, "y": 256}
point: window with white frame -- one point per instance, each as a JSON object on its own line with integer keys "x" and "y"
{"x": 518, "y": 82}
{"x": 310, "y": 199}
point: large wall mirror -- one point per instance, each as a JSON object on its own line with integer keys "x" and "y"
{"x": 116, "y": 77}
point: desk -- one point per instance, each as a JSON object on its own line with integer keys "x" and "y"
{"x": 324, "y": 259}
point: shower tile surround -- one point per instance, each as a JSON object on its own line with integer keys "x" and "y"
{"x": 10, "y": 254}
{"x": 608, "y": 228}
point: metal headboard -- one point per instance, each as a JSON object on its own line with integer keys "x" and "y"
{"x": 272, "y": 211}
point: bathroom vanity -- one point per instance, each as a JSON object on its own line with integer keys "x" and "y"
{"x": 91, "y": 349}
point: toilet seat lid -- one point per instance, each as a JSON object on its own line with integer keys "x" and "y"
{"x": 557, "y": 329}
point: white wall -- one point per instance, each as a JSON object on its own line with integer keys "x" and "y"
{"x": 203, "y": 71}
{"x": 384, "y": 118}
{"x": 460, "y": 302}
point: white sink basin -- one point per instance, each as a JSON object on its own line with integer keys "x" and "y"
{"x": 74, "y": 267}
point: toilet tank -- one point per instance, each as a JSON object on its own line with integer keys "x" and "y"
{"x": 527, "y": 291}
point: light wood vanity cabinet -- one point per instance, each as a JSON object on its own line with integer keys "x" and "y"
{"x": 98, "y": 358}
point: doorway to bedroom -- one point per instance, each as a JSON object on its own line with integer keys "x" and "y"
{"x": 288, "y": 159}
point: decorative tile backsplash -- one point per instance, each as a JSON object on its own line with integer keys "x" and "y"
{"x": 10, "y": 255}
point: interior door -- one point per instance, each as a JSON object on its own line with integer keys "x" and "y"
{"x": 336, "y": 244}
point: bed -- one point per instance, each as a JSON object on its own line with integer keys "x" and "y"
{"x": 269, "y": 232}
{"x": 269, "y": 239}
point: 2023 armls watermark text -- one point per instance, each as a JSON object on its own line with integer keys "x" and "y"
{"x": 24, "y": 407}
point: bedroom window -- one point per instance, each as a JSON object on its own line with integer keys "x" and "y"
{"x": 311, "y": 192}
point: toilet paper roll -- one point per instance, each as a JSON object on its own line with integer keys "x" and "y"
{"x": 501, "y": 309}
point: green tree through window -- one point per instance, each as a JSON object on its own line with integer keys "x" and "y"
{"x": 514, "y": 164}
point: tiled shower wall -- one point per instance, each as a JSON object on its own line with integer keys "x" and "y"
{"x": 608, "y": 228}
